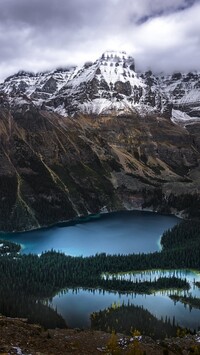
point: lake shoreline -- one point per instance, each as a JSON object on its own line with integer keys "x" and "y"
{"x": 88, "y": 217}
{"x": 67, "y": 304}
{"x": 122, "y": 232}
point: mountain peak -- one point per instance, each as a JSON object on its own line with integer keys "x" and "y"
{"x": 113, "y": 54}
{"x": 118, "y": 57}
{"x": 110, "y": 84}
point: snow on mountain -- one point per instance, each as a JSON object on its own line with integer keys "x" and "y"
{"x": 30, "y": 84}
{"x": 182, "y": 87}
{"x": 109, "y": 85}
{"x": 182, "y": 118}
{"x": 183, "y": 90}
{"x": 105, "y": 106}
{"x": 112, "y": 67}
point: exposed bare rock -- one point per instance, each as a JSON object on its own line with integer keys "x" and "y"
{"x": 20, "y": 338}
{"x": 75, "y": 140}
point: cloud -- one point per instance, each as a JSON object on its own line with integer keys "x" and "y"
{"x": 38, "y": 35}
{"x": 171, "y": 42}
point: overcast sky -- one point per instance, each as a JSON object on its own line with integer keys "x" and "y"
{"x": 39, "y": 35}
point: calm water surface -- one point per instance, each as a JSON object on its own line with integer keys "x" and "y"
{"x": 76, "y": 305}
{"x": 122, "y": 232}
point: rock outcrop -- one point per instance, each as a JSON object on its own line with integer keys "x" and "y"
{"x": 19, "y": 337}
{"x": 83, "y": 140}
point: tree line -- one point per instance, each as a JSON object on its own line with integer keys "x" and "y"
{"x": 125, "y": 318}
{"x": 39, "y": 277}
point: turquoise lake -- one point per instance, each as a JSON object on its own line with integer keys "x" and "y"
{"x": 121, "y": 232}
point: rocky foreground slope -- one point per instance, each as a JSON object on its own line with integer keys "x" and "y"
{"x": 20, "y": 338}
{"x": 97, "y": 138}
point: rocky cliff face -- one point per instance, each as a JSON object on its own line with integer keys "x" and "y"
{"x": 110, "y": 84}
{"x": 102, "y": 137}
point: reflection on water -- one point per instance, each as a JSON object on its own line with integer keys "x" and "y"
{"x": 123, "y": 232}
{"x": 75, "y": 306}
{"x": 152, "y": 275}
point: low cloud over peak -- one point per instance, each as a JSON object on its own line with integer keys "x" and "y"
{"x": 39, "y": 35}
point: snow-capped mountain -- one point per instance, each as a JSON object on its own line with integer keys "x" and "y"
{"x": 37, "y": 87}
{"x": 97, "y": 138}
{"x": 110, "y": 85}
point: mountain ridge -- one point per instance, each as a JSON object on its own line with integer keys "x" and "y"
{"x": 109, "y": 84}
{"x": 70, "y": 147}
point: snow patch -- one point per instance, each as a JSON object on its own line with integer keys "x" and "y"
{"x": 182, "y": 117}
{"x": 104, "y": 106}
{"x": 60, "y": 110}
